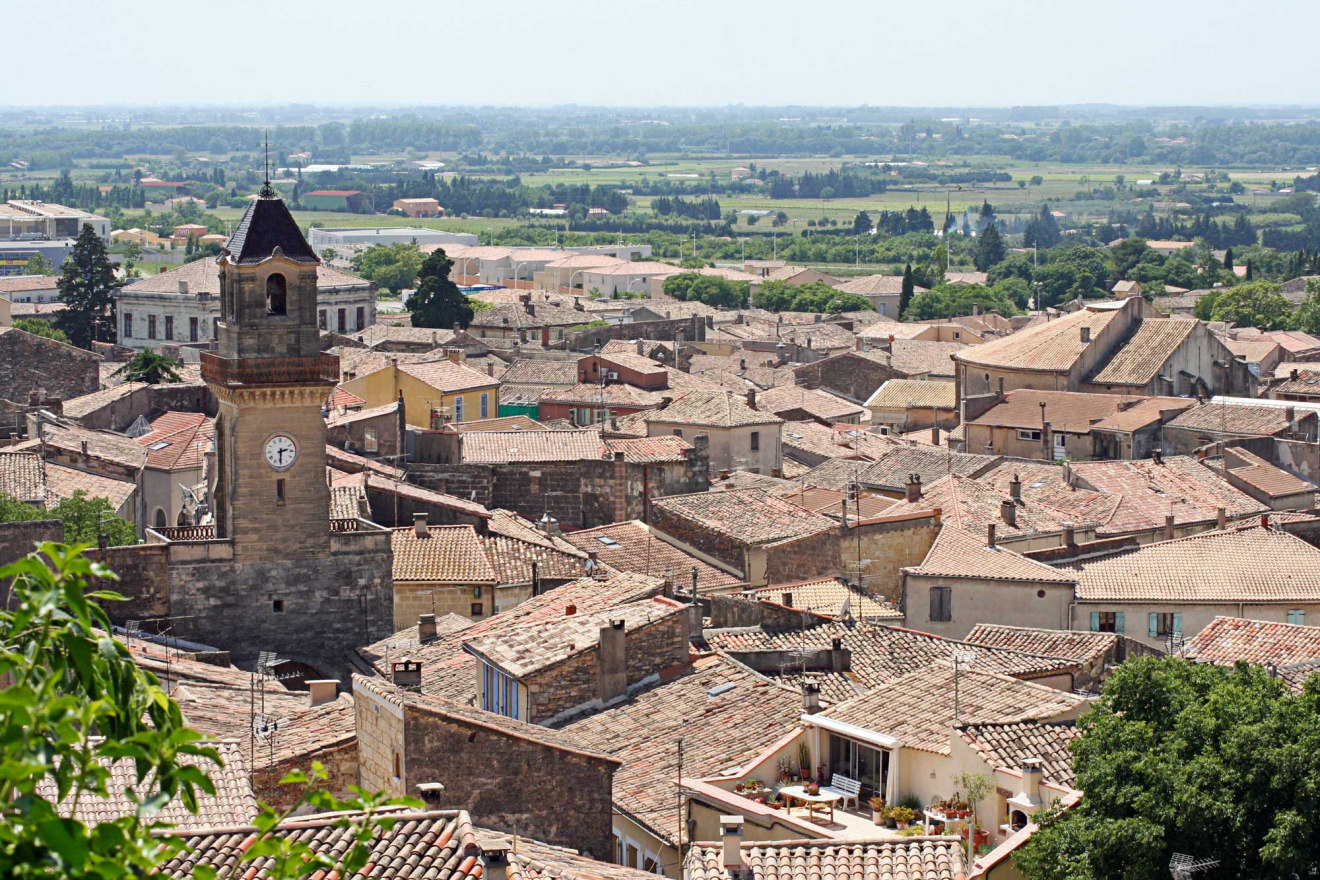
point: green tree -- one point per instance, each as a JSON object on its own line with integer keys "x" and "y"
{"x": 1258, "y": 304}
{"x": 1205, "y": 306}
{"x": 989, "y": 248}
{"x": 88, "y": 288}
{"x": 1177, "y": 757}
{"x": 1090, "y": 264}
{"x": 1307, "y": 318}
{"x": 73, "y": 703}
{"x": 438, "y": 302}
{"x": 391, "y": 266}
{"x": 150, "y": 367}
{"x": 1057, "y": 283}
{"x": 38, "y": 327}
{"x": 941, "y": 264}
{"x": 1012, "y": 266}
{"x": 38, "y": 265}
{"x": 862, "y": 223}
{"x": 906, "y": 291}
{"x": 709, "y": 289}
{"x": 86, "y": 520}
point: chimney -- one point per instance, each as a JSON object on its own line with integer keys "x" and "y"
{"x": 1001, "y": 387}
{"x": 1069, "y": 535}
{"x": 731, "y": 834}
{"x": 531, "y": 309}
{"x": 425, "y": 627}
{"x": 1015, "y": 488}
{"x": 407, "y": 674}
{"x": 430, "y": 792}
{"x": 751, "y": 397}
{"x": 495, "y": 855}
{"x": 914, "y": 487}
{"x": 786, "y": 599}
{"x": 1293, "y": 375}
{"x": 990, "y": 535}
{"x": 1264, "y": 520}
{"x": 1008, "y": 513}
{"x": 419, "y": 524}
{"x": 549, "y": 525}
{"x": 183, "y": 288}
{"x": 1067, "y": 475}
{"x": 742, "y": 363}
{"x": 612, "y": 662}
{"x": 570, "y": 610}
{"x": 641, "y": 347}
{"x": 1157, "y": 456}
{"x": 1085, "y": 334}
{"x": 82, "y": 446}
{"x": 1031, "y": 774}
{"x": 810, "y": 697}
{"x": 1221, "y": 518}
{"x": 323, "y": 690}
{"x": 1168, "y": 527}
{"x": 490, "y": 368}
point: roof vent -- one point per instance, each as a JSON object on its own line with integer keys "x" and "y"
{"x": 720, "y": 689}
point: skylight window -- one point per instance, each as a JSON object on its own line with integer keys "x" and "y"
{"x": 607, "y": 540}
{"x": 156, "y": 447}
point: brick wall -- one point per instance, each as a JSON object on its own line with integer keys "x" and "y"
{"x": 510, "y": 783}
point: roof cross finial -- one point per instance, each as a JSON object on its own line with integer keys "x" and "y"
{"x": 266, "y": 191}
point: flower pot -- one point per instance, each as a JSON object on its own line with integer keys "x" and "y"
{"x": 980, "y": 837}
{"x": 890, "y": 823}
{"x": 902, "y": 826}
{"x": 876, "y": 818}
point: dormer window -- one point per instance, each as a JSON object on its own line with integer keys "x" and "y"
{"x": 277, "y": 295}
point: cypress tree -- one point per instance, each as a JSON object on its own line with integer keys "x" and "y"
{"x": 88, "y": 288}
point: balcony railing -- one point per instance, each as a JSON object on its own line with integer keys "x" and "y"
{"x": 321, "y": 369}
{"x": 186, "y": 533}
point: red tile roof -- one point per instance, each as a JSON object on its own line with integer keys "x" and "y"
{"x": 636, "y": 547}
{"x": 1226, "y": 640}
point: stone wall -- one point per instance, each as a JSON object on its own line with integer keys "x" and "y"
{"x": 887, "y": 546}
{"x": 574, "y": 683}
{"x": 144, "y": 579}
{"x": 149, "y": 401}
{"x": 512, "y": 783}
{"x": 341, "y": 767}
{"x": 33, "y": 363}
{"x": 852, "y": 376}
{"x": 734, "y": 611}
{"x": 345, "y": 599}
{"x": 378, "y": 721}
{"x": 724, "y": 548}
{"x": 689, "y": 329}
{"x": 808, "y": 557}
{"x": 18, "y": 539}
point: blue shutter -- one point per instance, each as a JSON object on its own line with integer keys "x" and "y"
{"x": 1095, "y": 621}
{"x": 1177, "y": 625}
{"x": 1118, "y": 622}
{"x": 1153, "y": 621}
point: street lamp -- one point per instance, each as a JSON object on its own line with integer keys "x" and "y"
{"x": 571, "y": 276}
{"x": 517, "y": 267}
{"x": 628, "y": 289}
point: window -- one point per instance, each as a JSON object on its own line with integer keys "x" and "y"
{"x": 342, "y": 317}
{"x": 1107, "y": 621}
{"x": 1160, "y": 625}
{"x": 884, "y": 309}
{"x": 499, "y": 692}
{"x": 756, "y": 440}
{"x": 320, "y": 319}
{"x": 369, "y": 441}
{"x": 277, "y": 606}
{"x": 458, "y": 409}
{"x": 1296, "y": 616}
{"x": 476, "y": 610}
{"x": 160, "y": 518}
{"x": 361, "y": 318}
{"x": 151, "y": 326}
{"x": 279, "y": 491}
{"x": 1032, "y": 436}
{"x": 398, "y": 766}
{"x": 277, "y": 295}
{"x": 169, "y": 326}
{"x": 128, "y": 325}
{"x": 941, "y": 604}
{"x": 678, "y": 432}
{"x": 485, "y": 404}
{"x": 192, "y": 329}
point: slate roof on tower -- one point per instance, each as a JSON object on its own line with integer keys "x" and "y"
{"x": 266, "y": 225}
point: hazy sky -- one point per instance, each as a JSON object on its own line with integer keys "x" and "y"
{"x": 679, "y": 52}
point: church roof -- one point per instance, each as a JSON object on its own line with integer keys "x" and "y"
{"x": 266, "y": 225}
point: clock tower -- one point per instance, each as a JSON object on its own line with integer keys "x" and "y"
{"x": 271, "y": 379}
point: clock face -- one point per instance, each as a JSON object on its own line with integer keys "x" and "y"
{"x": 281, "y": 452}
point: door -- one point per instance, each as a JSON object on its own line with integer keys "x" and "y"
{"x": 1060, "y": 446}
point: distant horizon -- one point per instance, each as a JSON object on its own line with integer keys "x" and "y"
{"x": 671, "y": 53}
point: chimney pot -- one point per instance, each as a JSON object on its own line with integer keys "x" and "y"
{"x": 914, "y": 487}
{"x": 1008, "y": 513}
{"x": 1293, "y": 375}
{"x": 1015, "y": 488}
{"x": 426, "y": 627}
{"x": 1264, "y": 520}
{"x": 322, "y": 690}
{"x": 990, "y": 535}
{"x": 731, "y": 835}
{"x": 1168, "y": 527}
{"x": 419, "y": 524}
{"x": 1086, "y": 334}
{"x": 570, "y": 610}
{"x": 641, "y": 347}
{"x": 751, "y": 397}
{"x": 1221, "y": 517}
{"x": 810, "y": 697}
{"x": 1069, "y": 535}
{"x": 406, "y": 673}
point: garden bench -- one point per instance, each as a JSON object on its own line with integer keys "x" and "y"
{"x": 844, "y": 787}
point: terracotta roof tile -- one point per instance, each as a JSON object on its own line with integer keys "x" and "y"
{"x": 716, "y": 409}
{"x": 827, "y": 596}
{"x": 1142, "y": 356}
{"x": 1226, "y": 640}
{"x": 918, "y": 858}
{"x": 448, "y": 554}
{"x": 636, "y": 547}
{"x": 1009, "y": 745}
{"x": 203, "y": 276}
{"x": 1222, "y": 417}
{"x": 506, "y": 447}
{"x": 1238, "y": 565}
{"x": 751, "y": 516}
{"x": 918, "y": 708}
{"x": 178, "y": 440}
{"x": 648, "y": 450}
{"x": 1070, "y": 644}
{"x": 957, "y": 553}
{"x": 814, "y": 402}
{"x": 513, "y": 560}
{"x": 22, "y": 476}
{"x": 445, "y": 375}
{"x": 1050, "y": 346}
{"x": 1267, "y": 478}
{"x": 914, "y": 393}
{"x": 1147, "y": 492}
{"x": 616, "y": 394}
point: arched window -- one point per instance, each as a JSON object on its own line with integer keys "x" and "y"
{"x": 277, "y": 295}
{"x": 160, "y": 518}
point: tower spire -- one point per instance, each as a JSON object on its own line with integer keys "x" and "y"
{"x": 266, "y": 191}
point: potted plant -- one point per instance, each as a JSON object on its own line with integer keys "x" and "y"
{"x": 775, "y": 804}
{"x": 903, "y": 817}
{"x": 811, "y": 788}
{"x": 980, "y": 837}
{"x": 877, "y": 809}
{"x": 888, "y": 814}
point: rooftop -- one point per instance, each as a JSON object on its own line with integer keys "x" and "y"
{"x": 203, "y": 276}
{"x": 716, "y": 409}
{"x": 507, "y": 447}
{"x": 1050, "y": 346}
{"x": 750, "y": 516}
{"x": 178, "y": 440}
{"x": 914, "y": 393}
{"x": 1008, "y": 745}
{"x": 634, "y": 546}
{"x": 958, "y": 553}
{"x": 447, "y": 554}
{"x": 917, "y": 858}
{"x": 1070, "y": 644}
{"x": 918, "y": 709}
{"x": 1143, "y": 355}
{"x": 814, "y": 402}
{"x": 1224, "y": 417}
{"x": 265, "y": 226}
{"x": 448, "y": 376}
{"x": 1237, "y": 565}
{"x": 1227, "y": 640}
{"x": 1075, "y": 412}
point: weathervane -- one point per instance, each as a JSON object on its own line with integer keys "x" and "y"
{"x": 266, "y": 191}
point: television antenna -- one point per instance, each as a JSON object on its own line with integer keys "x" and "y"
{"x": 1185, "y": 867}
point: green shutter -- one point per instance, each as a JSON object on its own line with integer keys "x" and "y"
{"x": 1095, "y": 621}
{"x": 1153, "y": 622}
{"x": 1177, "y": 625}
{"x": 1297, "y": 616}
{"x": 1118, "y": 622}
